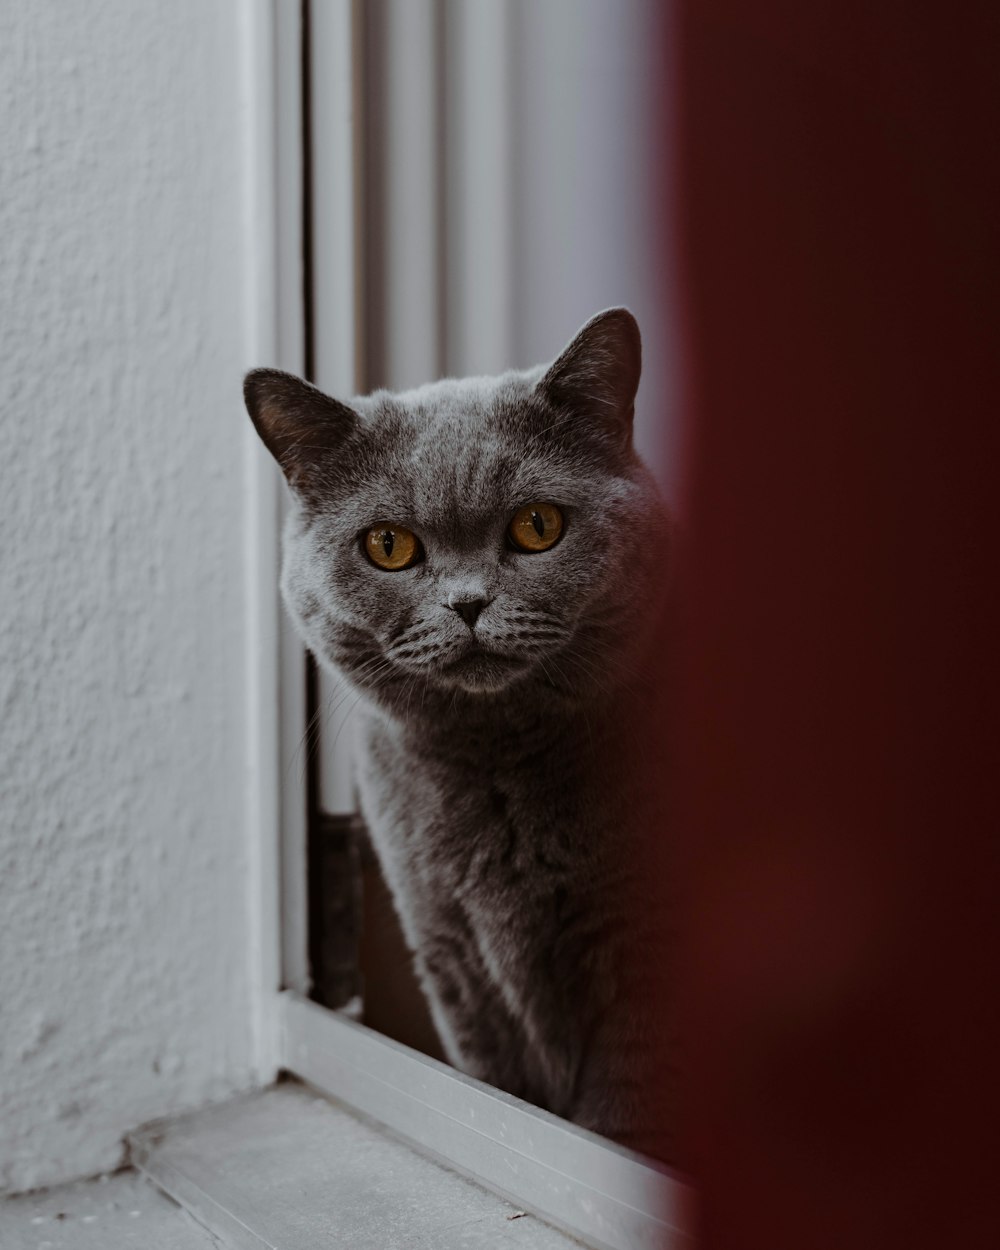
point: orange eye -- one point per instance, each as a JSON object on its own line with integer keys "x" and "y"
{"x": 535, "y": 527}
{"x": 392, "y": 547}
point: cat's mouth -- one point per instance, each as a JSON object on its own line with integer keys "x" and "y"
{"x": 482, "y": 672}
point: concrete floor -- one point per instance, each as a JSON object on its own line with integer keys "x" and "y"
{"x": 120, "y": 1212}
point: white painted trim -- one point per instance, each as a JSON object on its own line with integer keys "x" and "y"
{"x": 260, "y": 547}
{"x": 291, "y": 351}
{"x": 611, "y": 1197}
{"x": 274, "y": 335}
{"x": 335, "y": 316}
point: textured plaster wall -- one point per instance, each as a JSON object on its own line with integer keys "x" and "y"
{"x": 124, "y": 988}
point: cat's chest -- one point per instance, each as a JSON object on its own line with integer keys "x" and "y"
{"x": 506, "y": 824}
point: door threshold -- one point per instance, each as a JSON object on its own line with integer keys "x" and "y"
{"x": 285, "y": 1169}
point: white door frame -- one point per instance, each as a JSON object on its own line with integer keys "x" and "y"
{"x": 607, "y": 1195}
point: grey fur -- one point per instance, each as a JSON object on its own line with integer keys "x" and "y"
{"x": 502, "y": 774}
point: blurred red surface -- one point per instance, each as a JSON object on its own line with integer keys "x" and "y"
{"x": 833, "y": 732}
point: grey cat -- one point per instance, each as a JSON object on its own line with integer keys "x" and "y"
{"x": 486, "y": 561}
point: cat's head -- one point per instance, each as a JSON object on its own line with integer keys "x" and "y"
{"x": 472, "y": 538}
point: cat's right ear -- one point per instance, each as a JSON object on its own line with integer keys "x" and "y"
{"x": 298, "y": 424}
{"x": 597, "y": 376}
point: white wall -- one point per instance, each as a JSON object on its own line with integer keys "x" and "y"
{"x": 124, "y": 984}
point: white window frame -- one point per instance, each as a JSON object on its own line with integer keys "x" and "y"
{"x": 606, "y": 1195}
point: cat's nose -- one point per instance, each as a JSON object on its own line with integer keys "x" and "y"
{"x": 468, "y": 609}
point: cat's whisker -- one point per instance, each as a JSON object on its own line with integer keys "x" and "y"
{"x": 551, "y": 680}
{"x": 373, "y": 669}
{"x": 410, "y": 687}
{"x": 299, "y": 756}
{"x": 343, "y": 724}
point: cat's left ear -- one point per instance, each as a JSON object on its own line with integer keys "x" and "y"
{"x": 597, "y": 375}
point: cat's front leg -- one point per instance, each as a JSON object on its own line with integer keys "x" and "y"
{"x": 627, "y": 1084}
{"x": 480, "y": 1035}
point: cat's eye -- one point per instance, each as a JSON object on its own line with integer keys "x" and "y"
{"x": 535, "y": 527}
{"x": 392, "y": 547}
